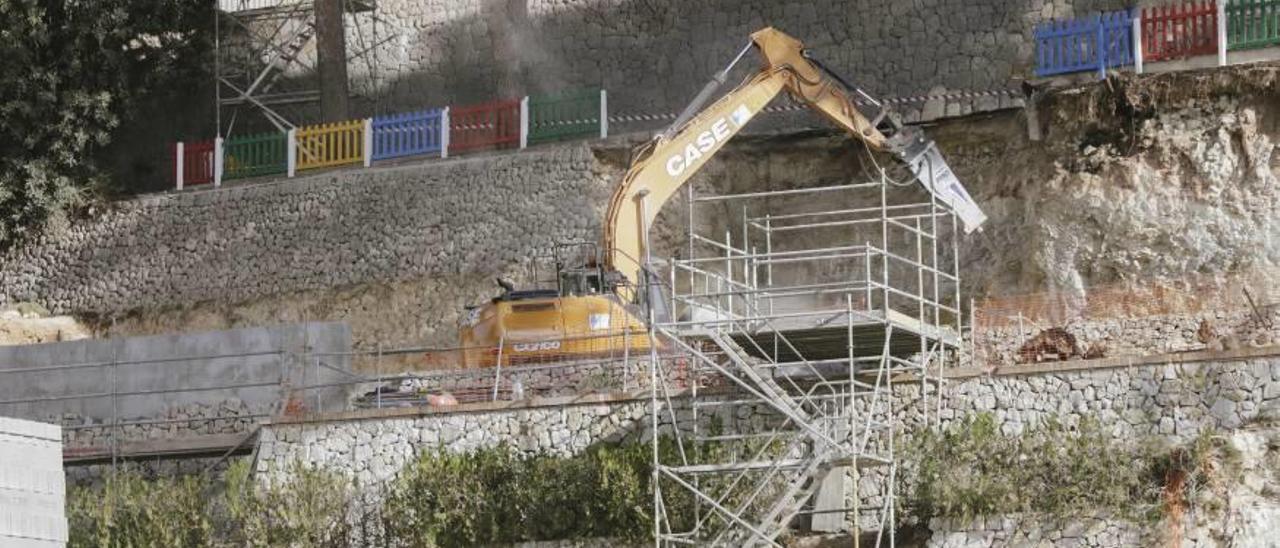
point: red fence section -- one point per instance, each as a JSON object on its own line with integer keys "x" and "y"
{"x": 486, "y": 125}
{"x": 1179, "y": 30}
{"x": 197, "y": 162}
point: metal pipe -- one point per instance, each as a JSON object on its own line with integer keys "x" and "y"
{"x": 115, "y": 394}
{"x": 704, "y": 95}
{"x": 113, "y": 363}
{"x": 767, "y": 255}
{"x": 497, "y": 374}
{"x": 834, "y": 212}
{"x": 809, "y": 190}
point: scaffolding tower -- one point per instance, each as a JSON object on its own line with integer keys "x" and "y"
{"x": 813, "y": 321}
{"x": 266, "y": 60}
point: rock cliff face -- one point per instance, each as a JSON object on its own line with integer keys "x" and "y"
{"x": 1134, "y": 180}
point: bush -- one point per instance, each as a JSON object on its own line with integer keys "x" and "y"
{"x": 971, "y": 469}
{"x": 495, "y": 496}
{"x": 440, "y": 499}
{"x": 314, "y": 508}
{"x": 129, "y": 510}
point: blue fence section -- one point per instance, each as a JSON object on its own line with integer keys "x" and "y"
{"x": 1092, "y": 43}
{"x": 406, "y": 134}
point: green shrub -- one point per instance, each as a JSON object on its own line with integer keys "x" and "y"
{"x": 315, "y": 507}
{"x": 971, "y": 469}
{"x": 127, "y": 510}
{"x": 496, "y": 496}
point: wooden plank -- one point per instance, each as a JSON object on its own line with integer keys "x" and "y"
{"x": 209, "y": 445}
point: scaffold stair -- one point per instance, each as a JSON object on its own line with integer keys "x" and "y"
{"x": 821, "y": 429}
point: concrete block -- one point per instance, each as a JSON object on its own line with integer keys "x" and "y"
{"x": 32, "y": 488}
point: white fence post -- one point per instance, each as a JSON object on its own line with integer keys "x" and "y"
{"x": 368, "y": 142}
{"x": 524, "y": 121}
{"x": 444, "y": 133}
{"x": 217, "y": 162}
{"x": 178, "y": 160}
{"x": 1101, "y": 37}
{"x": 1222, "y": 33}
{"x": 1137, "y": 44}
{"x": 604, "y": 114}
{"x": 292, "y": 147}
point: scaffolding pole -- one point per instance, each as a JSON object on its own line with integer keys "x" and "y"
{"x": 806, "y": 354}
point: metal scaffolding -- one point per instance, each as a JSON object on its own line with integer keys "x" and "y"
{"x": 808, "y": 308}
{"x": 265, "y": 57}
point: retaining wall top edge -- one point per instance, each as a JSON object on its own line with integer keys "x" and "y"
{"x": 480, "y": 407}
{"x": 1117, "y": 362}
{"x": 643, "y": 395}
{"x": 30, "y": 429}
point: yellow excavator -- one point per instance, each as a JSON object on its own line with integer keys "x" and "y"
{"x": 596, "y": 308}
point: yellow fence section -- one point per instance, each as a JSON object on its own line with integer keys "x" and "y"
{"x": 325, "y": 145}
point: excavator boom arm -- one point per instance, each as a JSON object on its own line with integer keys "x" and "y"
{"x": 667, "y": 163}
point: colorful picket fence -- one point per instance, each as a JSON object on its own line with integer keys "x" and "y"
{"x": 327, "y": 145}
{"x": 195, "y": 164}
{"x": 408, "y": 134}
{"x": 487, "y": 125}
{"x": 566, "y": 115}
{"x": 1168, "y": 31}
{"x": 1163, "y": 32}
{"x": 1252, "y": 23}
{"x": 1097, "y": 42}
{"x": 1180, "y": 30}
{"x": 255, "y": 155}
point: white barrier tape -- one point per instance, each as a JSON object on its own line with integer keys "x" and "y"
{"x": 625, "y": 118}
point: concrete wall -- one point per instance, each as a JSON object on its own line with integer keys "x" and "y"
{"x": 158, "y": 377}
{"x": 32, "y": 488}
{"x": 654, "y": 55}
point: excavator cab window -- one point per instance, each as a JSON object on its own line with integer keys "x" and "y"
{"x": 579, "y": 269}
{"x": 580, "y": 282}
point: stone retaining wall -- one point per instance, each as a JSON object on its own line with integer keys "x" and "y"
{"x": 1175, "y": 400}
{"x": 1139, "y": 335}
{"x": 654, "y": 55}
{"x": 1171, "y": 400}
{"x": 1039, "y": 531}
{"x": 477, "y": 216}
{"x": 374, "y": 450}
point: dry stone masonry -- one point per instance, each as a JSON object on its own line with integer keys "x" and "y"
{"x": 1176, "y": 401}
{"x": 1170, "y": 401}
{"x": 475, "y": 216}
{"x": 653, "y": 56}
{"x": 1137, "y": 336}
{"x": 1039, "y": 531}
{"x": 374, "y": 450}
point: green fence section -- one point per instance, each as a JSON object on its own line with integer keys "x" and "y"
{"x": 254, "y": 155}
{"x": 564, "y": 115}
{"x": 1252, "y": 23}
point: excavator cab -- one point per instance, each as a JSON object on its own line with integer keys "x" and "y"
{"x": 575, "y": 316}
